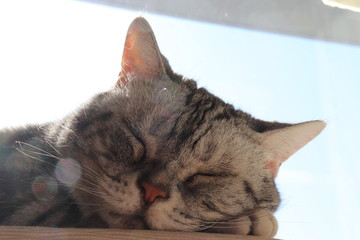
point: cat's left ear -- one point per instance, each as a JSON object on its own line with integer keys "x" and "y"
{"x": 281, "y": 143}
{"x": 141, "y": 55}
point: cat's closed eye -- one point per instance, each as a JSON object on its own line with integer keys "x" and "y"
{"x": 200, "y": 176}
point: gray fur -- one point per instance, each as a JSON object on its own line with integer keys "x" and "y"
{"x": 203, "y": 153}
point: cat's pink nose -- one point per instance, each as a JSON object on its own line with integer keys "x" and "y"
{"x": 151, "y": 192}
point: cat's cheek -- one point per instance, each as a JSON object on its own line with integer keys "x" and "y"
{"x": 161, "y": 215}
{"x": 122, "y": 197}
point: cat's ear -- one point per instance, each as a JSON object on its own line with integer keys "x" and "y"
{"x": 141, "y": 55}
{"x": 281, "y": 143}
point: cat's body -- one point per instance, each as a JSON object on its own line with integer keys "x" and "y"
{"x": 21, "y": 170}
{"x": 154, "y": 152}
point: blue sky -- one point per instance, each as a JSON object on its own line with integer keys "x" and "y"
{"x": 56, "y": 54}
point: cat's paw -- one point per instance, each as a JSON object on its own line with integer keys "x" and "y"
{"x": 263, "y": 223}
{"x": 241, "y": 226}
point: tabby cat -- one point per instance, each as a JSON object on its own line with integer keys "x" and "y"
{"x": 154, "y": 152}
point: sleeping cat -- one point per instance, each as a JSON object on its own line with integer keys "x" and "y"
{"x": 154, "y": 152}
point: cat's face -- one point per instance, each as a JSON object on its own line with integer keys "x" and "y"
{"x": 217, "y": 173}
{"x": 157, "y": 152}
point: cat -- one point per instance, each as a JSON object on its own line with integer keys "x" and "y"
{"x": 154, "y": 152}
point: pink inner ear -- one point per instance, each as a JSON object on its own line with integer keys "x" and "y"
{"x": 141, "y": 56}
{"x": 122, "y": 80}
{"x": 273, "y": 166}
{"x": 128, "y": 60}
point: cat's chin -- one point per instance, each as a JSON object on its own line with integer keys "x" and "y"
{"x": 166, "y": 223}
{"x": 115, "y": 220}
{"x": 128, "y": 223}
{"x": 161, "y": 216}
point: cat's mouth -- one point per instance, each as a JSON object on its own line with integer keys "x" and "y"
{"x": 119, "y": 220}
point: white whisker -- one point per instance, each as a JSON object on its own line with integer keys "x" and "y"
{"x": 48, "y": 142}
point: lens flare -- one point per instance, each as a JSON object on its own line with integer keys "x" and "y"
{"x": 45, "y": 188}
{"x": 68, "y": 171}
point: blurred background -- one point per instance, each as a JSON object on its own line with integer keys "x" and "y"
{"x": 290, "y": 61}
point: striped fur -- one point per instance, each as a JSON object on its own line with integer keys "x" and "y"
{"x": 85, "y": 170}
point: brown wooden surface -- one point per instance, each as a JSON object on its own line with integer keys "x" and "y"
{"x": 101, "y": 234}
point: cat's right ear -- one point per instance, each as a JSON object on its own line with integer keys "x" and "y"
{"x": 141, "y": 55}
{"x": 283, "y": 142}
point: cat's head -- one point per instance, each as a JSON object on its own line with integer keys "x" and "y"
{"x": 158, "y": 152}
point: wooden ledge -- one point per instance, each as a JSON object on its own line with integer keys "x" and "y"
{"x": 10, "y": 233}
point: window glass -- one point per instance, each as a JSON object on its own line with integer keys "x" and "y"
{"x": 56, "y": 54}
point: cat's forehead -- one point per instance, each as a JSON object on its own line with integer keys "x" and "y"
{"x": 224, "y": 147}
